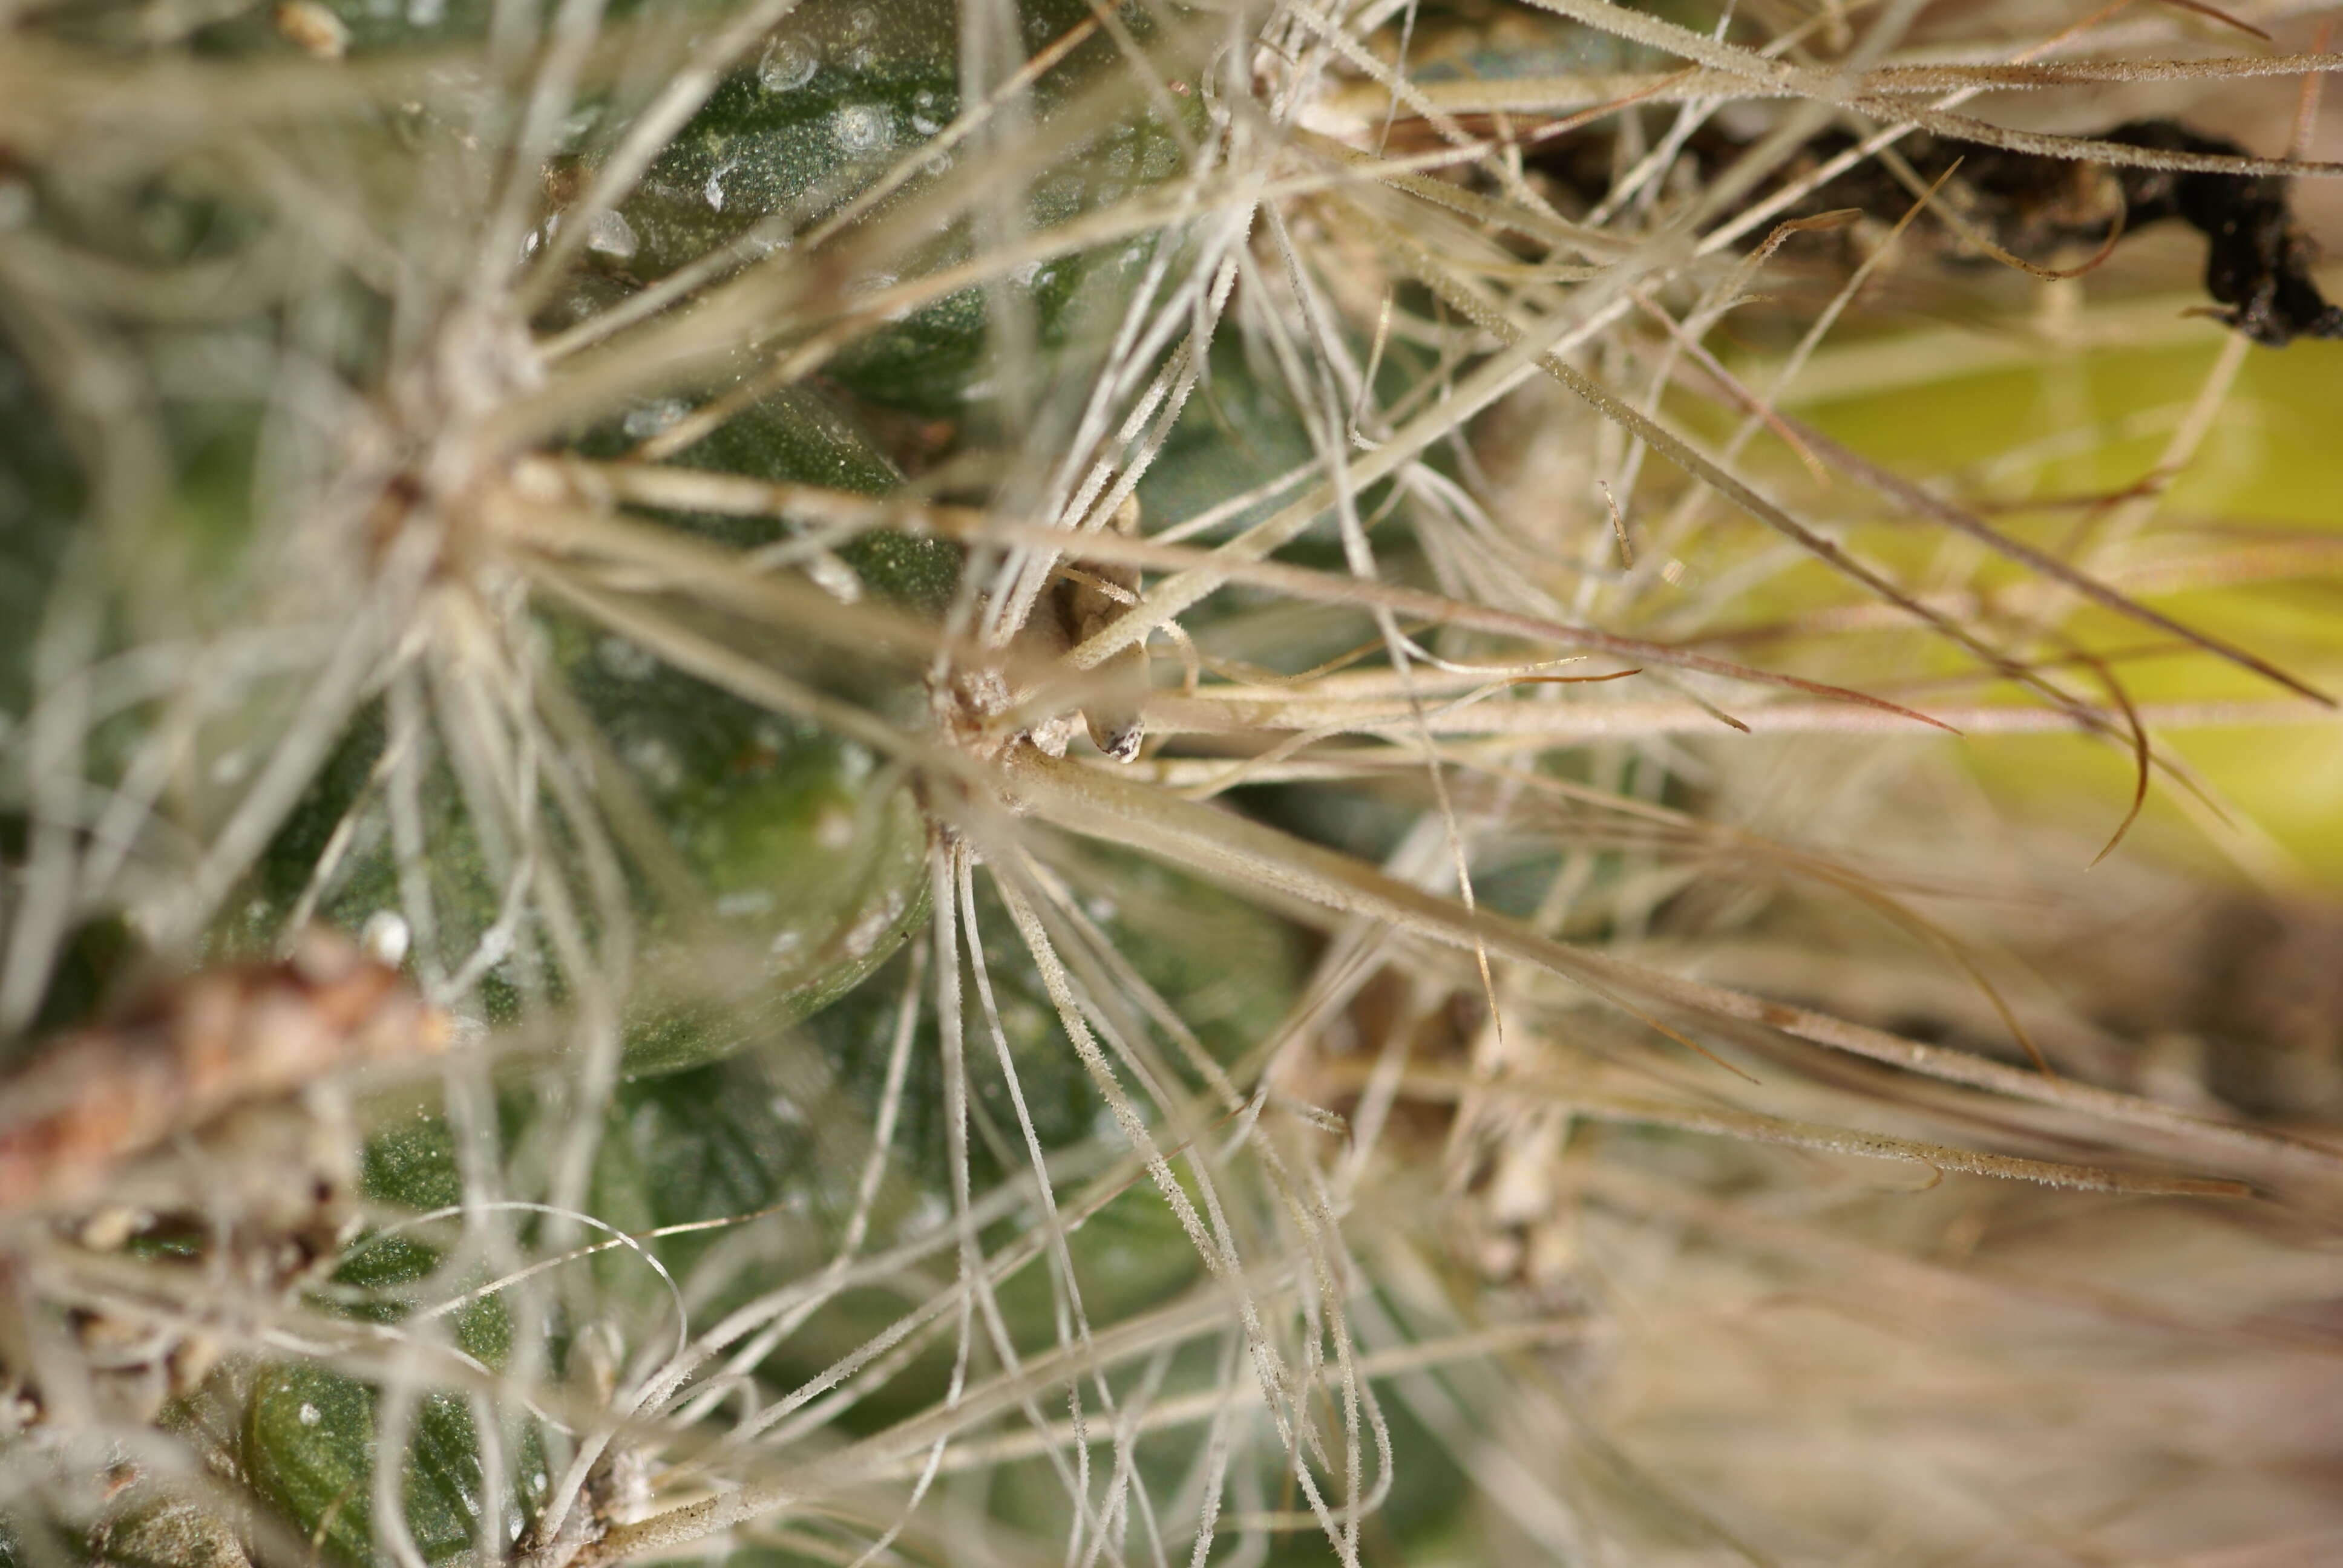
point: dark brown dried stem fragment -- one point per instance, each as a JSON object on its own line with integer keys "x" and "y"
{"x": 2258, "y": 264}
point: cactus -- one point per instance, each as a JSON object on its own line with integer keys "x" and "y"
{"x": 825, "y": 781}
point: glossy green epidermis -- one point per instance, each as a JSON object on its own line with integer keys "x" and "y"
{"x": 311, "y": 1445}
{"x": 812, "y": 863}
{"x": 810, "y": 852}
{"x": 1237, "y": 433}
{"x": 1224, "y": 966}
{"x": 788, "y": 861}
{"x": 802, "y": 862}
{"x": 797, "y": 434}
{"x": 786, "y": 1128}
{"x": 840, "y": 95}
{"x": 777, "y": 1137}
{"x": 311, "y": 1433}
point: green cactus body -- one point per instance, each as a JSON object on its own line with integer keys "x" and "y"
{"x": 865, "y": 1122}
{"x": 310, "y": 1450}
{"x": 786, "y": 861}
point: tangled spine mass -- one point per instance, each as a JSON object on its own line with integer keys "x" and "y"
{"x": 958, "y": 779}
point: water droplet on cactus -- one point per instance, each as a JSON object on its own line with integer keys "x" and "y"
{"x": 788, "y": 64}
{"x": 862, "y": 128}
